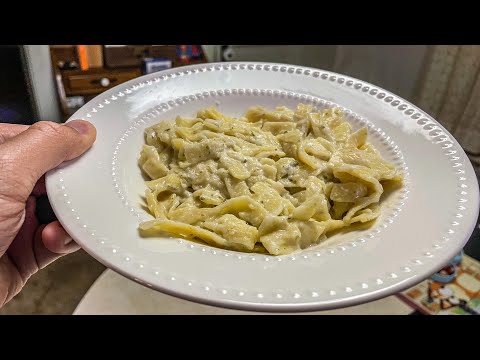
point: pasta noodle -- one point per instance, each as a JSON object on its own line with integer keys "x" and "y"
{"x": 271, "y": 181}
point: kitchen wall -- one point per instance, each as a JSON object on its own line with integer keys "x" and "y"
{"x": 393, "y": 67}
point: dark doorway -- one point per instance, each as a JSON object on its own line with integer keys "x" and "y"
{"x": 15, "y": 99}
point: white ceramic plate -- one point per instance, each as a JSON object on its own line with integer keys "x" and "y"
{"x": 97, "y": 197}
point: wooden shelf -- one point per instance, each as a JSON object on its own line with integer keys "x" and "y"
{"x": 92, "y": 82}
{"x": 95, "y": 81}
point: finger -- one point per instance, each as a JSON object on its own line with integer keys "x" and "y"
{"x": 39, "y": 188}
{"x": 40, "y": 148}
{"x": 57, "y": 240}
{"x": 8, "y": 131}
{"x": 52, "y": 235}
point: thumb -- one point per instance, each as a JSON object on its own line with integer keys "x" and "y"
{"x": 40, "y": 148}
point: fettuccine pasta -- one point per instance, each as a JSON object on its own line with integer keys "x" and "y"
{"x": 271, "y": 181}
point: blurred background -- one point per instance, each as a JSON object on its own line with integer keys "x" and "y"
{"x": 50, "y": 82}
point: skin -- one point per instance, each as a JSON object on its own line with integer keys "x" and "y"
{"x": 26, "y": 154}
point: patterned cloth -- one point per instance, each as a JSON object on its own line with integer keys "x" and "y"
{"x": 472, "y": 248}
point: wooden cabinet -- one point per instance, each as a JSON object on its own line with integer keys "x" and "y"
{"x": 95, "y": 81}
{"x": 77, "y": 87}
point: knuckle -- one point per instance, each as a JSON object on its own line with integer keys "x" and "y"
{"x": 49, "y": 128}
{"x": 58, "y": 135}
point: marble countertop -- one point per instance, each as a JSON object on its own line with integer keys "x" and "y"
{"x": 113, "y": 294}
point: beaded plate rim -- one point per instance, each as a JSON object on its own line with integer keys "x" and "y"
{"x": 280, "y": 302}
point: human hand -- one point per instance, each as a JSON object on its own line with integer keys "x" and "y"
{"x": 26, "y": 154}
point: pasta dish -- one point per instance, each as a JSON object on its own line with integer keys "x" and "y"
{"x": 272, "y": 181}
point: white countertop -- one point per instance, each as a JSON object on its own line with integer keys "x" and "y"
{"x": 113, "y": 294}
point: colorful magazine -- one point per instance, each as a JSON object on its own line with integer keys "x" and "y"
{"x": 455, "y": 290}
